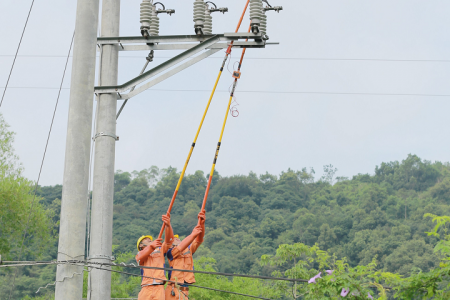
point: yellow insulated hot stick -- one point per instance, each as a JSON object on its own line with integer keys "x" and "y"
{"x": 193, "y": 145}
{"x": 217, "y": 153}
{"x": 236, "y": 75}
{"x": 228, "y": 52}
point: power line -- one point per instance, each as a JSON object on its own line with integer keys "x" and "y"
{"x": 89, "y": 265}
{"x": 191, "y": 285}
{"x": 42, "y": 162}
{"x": 123, "y": 265}
{"x": 15, "y": 57}
{"x": 273, "y": 92}
{"x": 274, "y": 58}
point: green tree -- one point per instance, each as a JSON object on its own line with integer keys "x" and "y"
{"x": 17, "y": 204}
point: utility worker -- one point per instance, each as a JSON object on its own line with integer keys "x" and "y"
{"x": 180, "y": 257}
{"x": 151, "y": 254}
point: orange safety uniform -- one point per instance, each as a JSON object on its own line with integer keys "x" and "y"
{"x": 152, "y": 292}
{"x": 183, "y": 261}
{"x": 152, "y": 289}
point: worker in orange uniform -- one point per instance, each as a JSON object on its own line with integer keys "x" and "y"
{"x": 180, "y": 257}
{"x": 151, "y": 254}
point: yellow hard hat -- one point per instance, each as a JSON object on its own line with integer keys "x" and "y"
{"x": 176, "y": 236}
{"x": 143, "y": 237}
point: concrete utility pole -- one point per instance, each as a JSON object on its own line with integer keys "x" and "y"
{"x": 105, "y": 139}
{"x": 72, "y": 232}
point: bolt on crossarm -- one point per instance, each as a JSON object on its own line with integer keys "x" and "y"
{"x": 228, "y": 52}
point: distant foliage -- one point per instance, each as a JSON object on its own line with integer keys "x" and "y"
{"x": 16, "y": 195}
{"x": 16, "y": 203}
{"x": 350, "y": 221}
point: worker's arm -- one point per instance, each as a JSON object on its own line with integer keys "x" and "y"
{"x": 143, "y": 254}
{"x": 168, "y": 240}
{"x": 199, "y": 240}
{"x": 185, "y": 243}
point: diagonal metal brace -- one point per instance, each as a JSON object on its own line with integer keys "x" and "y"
{"x": 162, "y": 67}
{"x": 168, "y": 74}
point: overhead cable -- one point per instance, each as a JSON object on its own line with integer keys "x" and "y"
{"x": 123, "y": 265}
{"x": 130, "y": 274}
{"x": 271, "y": 92}
{"x": 42, "y": 163}
{"x": 190, "y": 286}
{"x": 15, "y": 57}
{"x": 276, "y": 58}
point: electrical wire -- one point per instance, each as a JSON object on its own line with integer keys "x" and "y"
{"x": 89, "y": 265}
{"x": 123, "y": 265}
{"x": 276, "y": 58}
{"x": 15, "y": 57}
{"x": 273, "y": 92}
{"x": 191, "y": 285}
{"x": 42, "y": 164}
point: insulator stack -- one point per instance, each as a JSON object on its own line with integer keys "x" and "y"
{"x": 146, "y": 16}
{"x": 154, "y": 24}
{"x": 256, "y": 14}
{"x": 207, "y": 27}
{"x": 263, "y": 26}
{"x": 199, "y": 16}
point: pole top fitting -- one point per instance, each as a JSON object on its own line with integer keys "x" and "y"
{"x": 270, "y": 7}
{"x": 275, "y": 8}
{"x": 164, "y": 10}
{"x": 222, "y": 9}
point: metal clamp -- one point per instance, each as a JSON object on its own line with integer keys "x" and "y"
{"x": 116, "y": 138}
{"x": 100, "y": 256}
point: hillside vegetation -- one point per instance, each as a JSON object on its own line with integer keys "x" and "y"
{"x": 248, "y": 216}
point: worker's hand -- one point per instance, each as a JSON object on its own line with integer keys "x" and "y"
{"x": 156, "y": 243}
{"x": 166, "y": 220}
{"x": 197, "y": 230}
{"x": 202, "y": 217}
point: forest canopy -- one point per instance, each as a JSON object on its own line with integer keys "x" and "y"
{"x": 370, "y": 216}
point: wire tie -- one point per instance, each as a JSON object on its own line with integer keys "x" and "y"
{"x": 100, "y": 256}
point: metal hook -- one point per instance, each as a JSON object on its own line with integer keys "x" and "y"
{"x": 164, "y": 8}
{"x": 215, "y": 6}
{"x": 267, "y": 2}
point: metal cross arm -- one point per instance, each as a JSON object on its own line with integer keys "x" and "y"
{"x": 176, "y": 38}
{"x": 168, "y": 74}
{"x": 211, "y": 45}
{"x": 157, "y": 70}
{"x": 185, "y": 46}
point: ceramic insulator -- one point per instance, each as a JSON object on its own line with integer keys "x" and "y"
{"x": 146, "y": 13}
{"x": 199, "y": 12}
{"x": 256, "y": 11}
{"x": 154, "y": 24}
{"x": 207, "y": 27}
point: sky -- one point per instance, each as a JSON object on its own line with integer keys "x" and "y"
{"x": 352, "y": 83}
